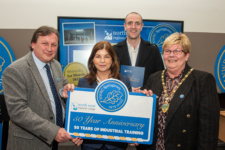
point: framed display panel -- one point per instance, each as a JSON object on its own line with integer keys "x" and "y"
{"x": 78, "y": 36}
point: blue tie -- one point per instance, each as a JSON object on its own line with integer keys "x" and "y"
{"x": 59, "y": 118}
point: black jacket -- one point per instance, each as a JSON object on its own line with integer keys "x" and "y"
{"x": 148, "y": 57}
{"x": 193, "y": 117}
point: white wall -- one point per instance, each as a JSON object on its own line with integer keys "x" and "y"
{"x": 198, "y": 15}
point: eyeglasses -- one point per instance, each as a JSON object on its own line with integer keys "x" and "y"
{"x": 175, "y": 52}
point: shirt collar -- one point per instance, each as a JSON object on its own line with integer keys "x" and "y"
{"x": 129, "y": 45}
{"x": 40, "y": 65}
{"x": 98, "y": 80}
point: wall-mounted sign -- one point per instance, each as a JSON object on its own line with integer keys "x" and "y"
{"x": 220, "y": 69}
{"x": 6, "y": 58}
{"x": 79, "y": 35}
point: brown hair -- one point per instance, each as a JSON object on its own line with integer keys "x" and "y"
{"x": 115, "y": 68}
{"x": 43, "y": 31}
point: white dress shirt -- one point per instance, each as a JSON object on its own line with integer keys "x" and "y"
{"x": 133, "y": 52}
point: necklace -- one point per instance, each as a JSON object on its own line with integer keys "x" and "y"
{"x": 165, "y": 105}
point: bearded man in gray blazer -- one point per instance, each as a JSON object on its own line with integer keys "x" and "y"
{"x": 29, "y": 97}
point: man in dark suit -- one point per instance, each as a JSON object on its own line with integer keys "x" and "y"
{"x": 32, "y": 103}
{"x": 134, "y": 51}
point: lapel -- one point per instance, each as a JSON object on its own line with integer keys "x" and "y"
{"x": 157, "y": 87}
{"x": 125, "y": 57}
{"x": 143, "y": 53}
{"x": 37, "y": 77}
{"x": 95, "y": 84}
{"x": 182, "y": 90}
{"x": 55, "y": 74}
{"x": 56, "y": 78}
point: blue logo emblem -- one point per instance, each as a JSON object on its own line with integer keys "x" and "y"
{"x": 160, "y": 33}
{"x": 111, "y": 95}
{"x": 219, "y": 69}
{"x": 74, "y": 106}
{"x": 108, "y": 35}
{"x": 6, "y": 58}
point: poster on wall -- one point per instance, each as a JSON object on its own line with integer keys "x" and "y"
{"x": 6, "y": 58}
{"x": 78, "y": 36}
{"x": 219, "y": 69}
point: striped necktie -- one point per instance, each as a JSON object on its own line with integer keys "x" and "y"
{"x": 59, "y": 118}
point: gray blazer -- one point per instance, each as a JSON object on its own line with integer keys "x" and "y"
{"x": 32, "y": 124}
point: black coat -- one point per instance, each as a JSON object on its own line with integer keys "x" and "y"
{"x": 148, "y": 57}
{"x": 192, "y": 121}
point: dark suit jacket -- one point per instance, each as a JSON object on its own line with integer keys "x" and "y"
{"x": 32, "y": 124}
{"x": 148, "y": 57}
{"x": 95, "y": 143}
{"x": 192, "y": 121}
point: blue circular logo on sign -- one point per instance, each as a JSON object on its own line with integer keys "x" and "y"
{"x": 160, "y": 33}
{"x": 219, "y": 69}
{"x": 111, "y": 95}
{"x": 6, "y": 58}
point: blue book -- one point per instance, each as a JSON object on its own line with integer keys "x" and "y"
{"x": 135, "y": 74}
